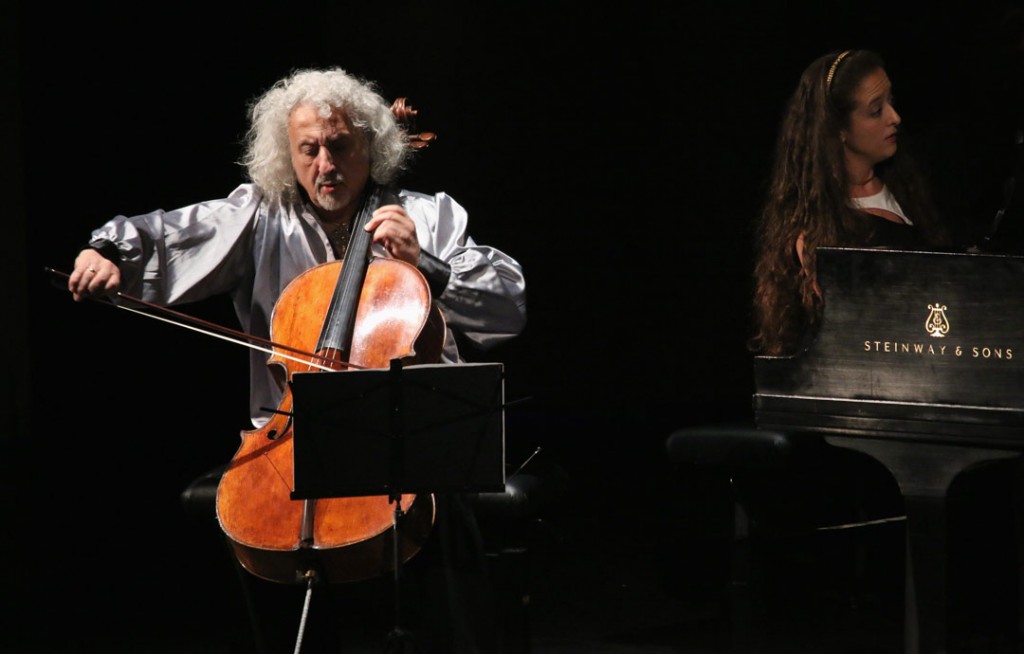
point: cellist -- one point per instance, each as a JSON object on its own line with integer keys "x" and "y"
{"x": 316, "y": 139}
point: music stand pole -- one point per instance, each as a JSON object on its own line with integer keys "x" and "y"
{"x": 399, "y": 640}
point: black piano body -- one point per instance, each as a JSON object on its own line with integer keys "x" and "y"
{"x": 918, "y": 362}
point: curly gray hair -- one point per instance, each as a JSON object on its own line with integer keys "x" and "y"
{"x": 267, "y": 155}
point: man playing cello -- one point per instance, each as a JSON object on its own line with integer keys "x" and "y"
{"x": 317, "y": 140}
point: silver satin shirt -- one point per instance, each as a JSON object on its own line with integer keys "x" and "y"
{"x": 251, "y": 248}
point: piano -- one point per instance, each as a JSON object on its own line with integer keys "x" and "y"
{"x": 919, "y": 363}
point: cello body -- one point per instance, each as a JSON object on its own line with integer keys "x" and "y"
{"x": 338, "y": 539}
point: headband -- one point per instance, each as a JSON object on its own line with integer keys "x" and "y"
{"x": 832, "y": 68}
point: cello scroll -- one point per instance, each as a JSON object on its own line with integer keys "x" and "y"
{"x": 406, "y": 116}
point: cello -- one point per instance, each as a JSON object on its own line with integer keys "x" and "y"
{"x": 360, "y": 312}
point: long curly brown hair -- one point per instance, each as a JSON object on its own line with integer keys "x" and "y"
{"x": 808, "y": 194}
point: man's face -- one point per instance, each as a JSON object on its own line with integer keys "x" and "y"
{"x": 331, "y": 160}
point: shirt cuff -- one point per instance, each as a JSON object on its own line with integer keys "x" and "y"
{"x": 435, "y": 271}
{"x": 107, "y": 249}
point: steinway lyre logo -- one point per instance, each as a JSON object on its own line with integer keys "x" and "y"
{"x": 937, "y": 323}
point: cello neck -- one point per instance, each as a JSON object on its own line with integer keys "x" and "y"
{"x": 336, "y": 334}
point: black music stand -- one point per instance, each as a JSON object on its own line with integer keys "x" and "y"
{"x": 425, "y": 428}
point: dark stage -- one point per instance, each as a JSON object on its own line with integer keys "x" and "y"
{"x": 619, "y": 154}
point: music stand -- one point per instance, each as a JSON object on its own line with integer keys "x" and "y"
{"x": 425, "y": 428}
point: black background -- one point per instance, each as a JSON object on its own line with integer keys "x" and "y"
{"x": 618, "y": 153}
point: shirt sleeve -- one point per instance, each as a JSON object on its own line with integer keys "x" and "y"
{"x": 184, "y": 255}
{"x": 485, "y": 296}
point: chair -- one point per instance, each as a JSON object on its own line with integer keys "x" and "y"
{"x": 795, "y": 516}
{"x": 514, "y": 527}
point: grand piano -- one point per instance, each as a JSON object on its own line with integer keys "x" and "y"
{"x": 919, "y": 363}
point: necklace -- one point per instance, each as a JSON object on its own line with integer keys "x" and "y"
{"x": 339, "y": 234}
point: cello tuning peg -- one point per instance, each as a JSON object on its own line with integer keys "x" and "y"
{"x": 421, "y": 140}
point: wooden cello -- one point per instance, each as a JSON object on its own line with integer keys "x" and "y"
{"x": 357, "y": 313}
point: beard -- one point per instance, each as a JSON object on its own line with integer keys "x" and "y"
{"x": 331, "y": 201}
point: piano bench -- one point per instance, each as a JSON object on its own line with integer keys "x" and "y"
{"x": 779, "y": 508}
{"x": 510, "y": 524}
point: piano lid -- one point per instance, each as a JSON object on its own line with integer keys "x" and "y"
{"x": 919, "y": 342}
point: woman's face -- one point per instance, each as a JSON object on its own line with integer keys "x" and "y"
{"x": 870, "y": 136}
